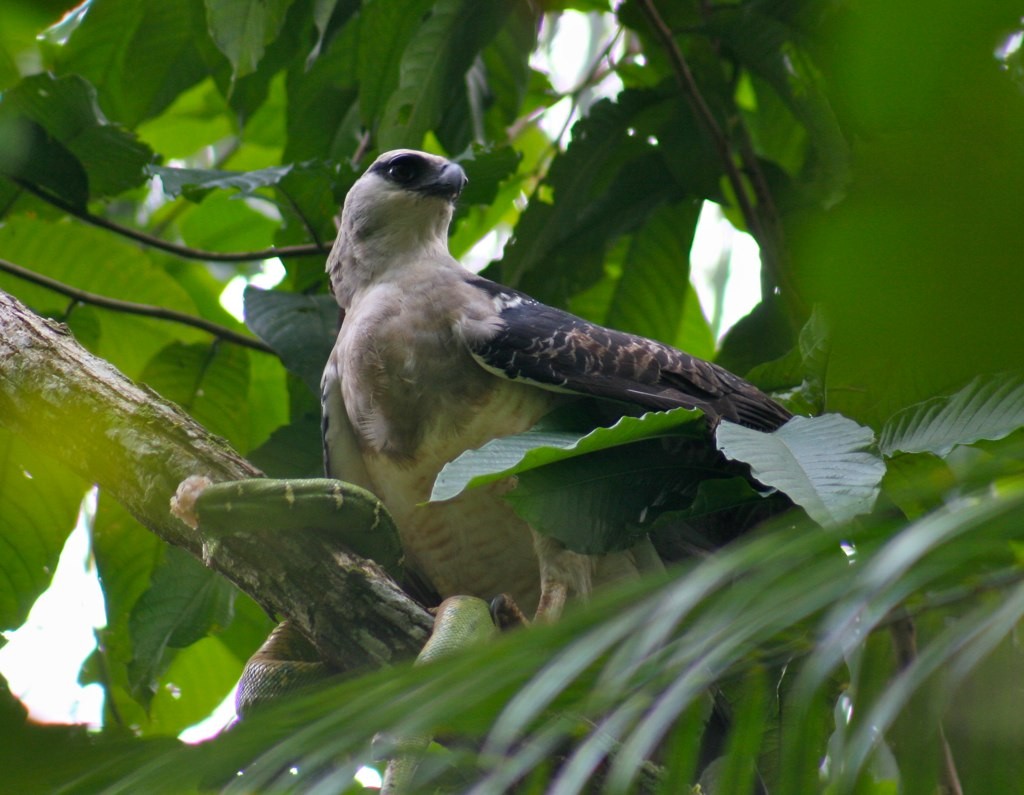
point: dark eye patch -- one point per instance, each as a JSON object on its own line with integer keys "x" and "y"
{"x": 405, "y": 169}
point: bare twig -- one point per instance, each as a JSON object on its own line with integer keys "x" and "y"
{"x": 186, "y": 252}
{"x": 131, "y": 308}
{"x": 688, "y": 85}
{"x": 904, "y": 641}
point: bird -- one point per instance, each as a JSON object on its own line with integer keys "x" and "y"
{"x": 432, "y": 360}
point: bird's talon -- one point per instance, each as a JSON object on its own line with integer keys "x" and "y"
{"x": 506, "y": 613}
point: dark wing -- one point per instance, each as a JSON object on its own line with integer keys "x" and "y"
{"x": 557, "y": 350}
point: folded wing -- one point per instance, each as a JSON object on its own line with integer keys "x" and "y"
{"x": 557, "y": 350}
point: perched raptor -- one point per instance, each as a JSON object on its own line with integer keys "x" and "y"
{"x": 432, "y": 360}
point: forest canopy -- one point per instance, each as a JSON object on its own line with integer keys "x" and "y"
{"x": 151, "y": 153}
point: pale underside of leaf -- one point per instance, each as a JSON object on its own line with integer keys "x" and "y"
{"x": 989, "y": 407}
{"x": 510, "y": 455}
{"x": 822, "y": 463}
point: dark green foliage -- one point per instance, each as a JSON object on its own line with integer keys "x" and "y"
{"x": 873, "y": 150}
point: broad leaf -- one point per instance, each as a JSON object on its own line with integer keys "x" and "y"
{"x": 206, "y": 381}
{"x": 184, "y": 603}
{"x": 824, "y": 464}
{"x": 430, "y": 73}
{"x": 599, "y": 503}
{"x": 989, "y": 407}
{"x": 89, "y": 259}
{"x": 300, "y": 328}
{"x": 243, "y": 30}
{"x": 39, "y": 501}
{"x": 140, "y": 55}
{"x": 53, "y": 128}
{"x": 541, "y": 446}
{"x": 386, "y": 30}
{"x": 195, "y": 183}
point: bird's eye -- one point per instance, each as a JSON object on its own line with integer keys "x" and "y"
{"x": 405, "y": 169}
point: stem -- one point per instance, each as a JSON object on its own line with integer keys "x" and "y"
{"x": 131, "y": 308}
{"x": 185, "y": 252}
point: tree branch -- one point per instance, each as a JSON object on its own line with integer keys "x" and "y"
{"x": 132, "y": 308}
{"x": 688, "y": 85}
{"x": 761, "y": 218}
{"x": 185, "y": 252}
{"x": 80, "y": 410}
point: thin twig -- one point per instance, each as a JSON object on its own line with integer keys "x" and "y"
{"x": 904, "y": 641}
{"x": 131, "y": 308}
{"x": 688, "y": 84}
{"x": 173, "y": 248}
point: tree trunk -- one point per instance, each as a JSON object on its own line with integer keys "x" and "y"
{"x": 138, "y": 447}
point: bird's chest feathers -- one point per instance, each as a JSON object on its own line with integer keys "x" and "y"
{"x": 413, "y": 392}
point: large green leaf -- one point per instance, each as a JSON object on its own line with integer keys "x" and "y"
{"x": 185, "y": 602}
{"x": 195, "y": 183}
{"x": 207, "y": 380}
{"x": 540, "y": 446}
{"x": 601, "y": 502}
{"x": 54, "y": 129}
{"x": 989, "y": 407}
{"x": 385, "y": 31}
{"x": 654, "y": 297}
{"x": 197, "y": 681}
{"x": 824, "y": 464}
{"x": 769, "y": 49}
{"x": 300, "y": 328}
{"x": 92, "y": 260}
{"x": 430, "y": 73}
{"x": 580, "y": 182}
{"x": 126, "y": 555}
{"x": 198, "y": 115}
{"x": 39, "y": 501}
{"x": 321, "y": 117}
{"x": 243, "y": 30}
{"x": 140, "y": 55}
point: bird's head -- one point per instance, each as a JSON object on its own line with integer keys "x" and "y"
{"x": 402, "y": 203}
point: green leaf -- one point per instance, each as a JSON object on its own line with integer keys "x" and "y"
{"x": 300, "y": 328}
{"x": 598, "y": 503}
{"x": 769, "y": 49}
{"x": 385, "y": 32}
{"x": 989, "y": 407}
{"x": 58, "y": 118}
{"x": 243, "y": 30}
{"x": 195, "y": 683}
{"x": 430, "y": 72}
{"x": 552, "y": 231}
{"x": 206, "y": 380}
{"x": 223, "y": 223}
{"x": 321, "y": 114}
{"x": 39, "y": 501}
{"x": 29, "y": 153}
{"x": 654, "y": 297}
{"x": 90, "y": 259}
{"x": 126, "y": 554}
{"x": 140, "y": 55}
{"x": 822, "y": 463}
{"x": 195, "y": 183}
{"x": 197, "y": 116}
{"x": 539, "y": 447}
{"x": 308, "y": 198}
{"x": 184, "y": 603}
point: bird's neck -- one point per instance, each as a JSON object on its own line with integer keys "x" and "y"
{"x": 358, "y": 261}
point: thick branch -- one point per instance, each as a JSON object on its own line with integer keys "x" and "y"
{"x": 80, "y": 410}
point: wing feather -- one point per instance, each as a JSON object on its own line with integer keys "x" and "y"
{"x": 557, "y": 350}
